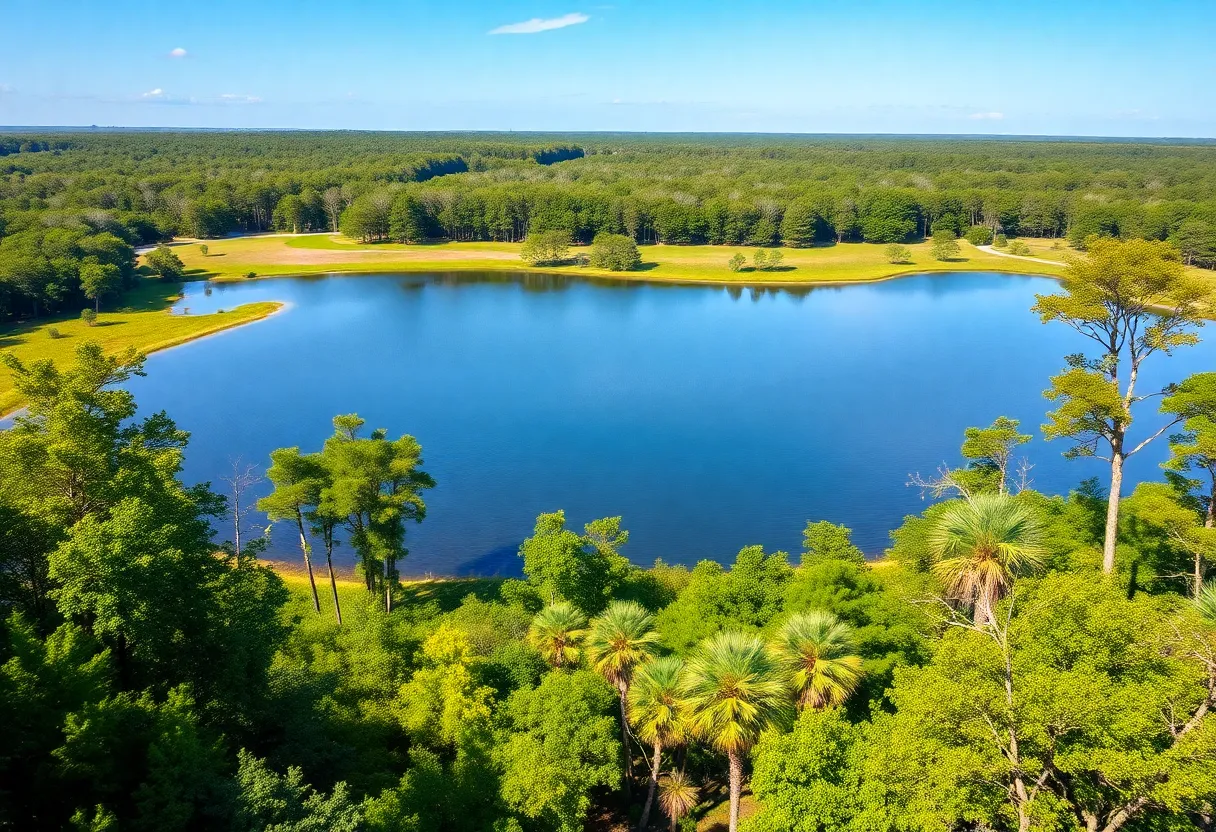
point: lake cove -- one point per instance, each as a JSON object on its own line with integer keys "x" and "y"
{"x": 710, "y": 418}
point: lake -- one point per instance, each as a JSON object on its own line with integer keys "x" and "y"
{"x": 709, "y": 418}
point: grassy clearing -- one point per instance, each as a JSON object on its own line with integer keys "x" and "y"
{"x": 322, "y": 253}
{"x": 444, "y": 594}
{"x": 143, "y": 322}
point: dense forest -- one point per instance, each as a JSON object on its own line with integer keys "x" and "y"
{"x": 1016, "y": 661}
{"x": 74, "y": 205}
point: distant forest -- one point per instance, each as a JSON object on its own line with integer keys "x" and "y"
{"x": 80, "y": 198}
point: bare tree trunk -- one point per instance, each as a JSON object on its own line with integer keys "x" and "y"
{"x": 736, "y": 788}
{"x": 307, "y": 550}
{"x": 654, "y": 785}
{"x": 388, "y": 586}
{"x": 1112, "y": 506}
{"x": 333, "y": 581}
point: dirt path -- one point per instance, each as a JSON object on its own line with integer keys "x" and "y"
{"x": 991, "y": 250}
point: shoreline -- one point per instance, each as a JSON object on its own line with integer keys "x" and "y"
{"x": 276, "y": 306}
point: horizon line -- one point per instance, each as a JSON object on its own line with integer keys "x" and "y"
{"x": 114, "y": 128}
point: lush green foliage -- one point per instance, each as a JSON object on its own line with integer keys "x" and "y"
{"x": 986, "y": 675}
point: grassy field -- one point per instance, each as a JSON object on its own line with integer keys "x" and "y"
{"x": 143, "y": 322}
{"x": 325, "y": 253}
{"x": 445, "y": 594}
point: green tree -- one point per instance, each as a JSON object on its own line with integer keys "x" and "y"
{"x": 990, "y": 454}
{"x": 557, "y": 746}
{"x": 897, "y": 254}
{"x": 557, "y": 631}
{"x": 271, "y": 802}
{"x": 736, "y": 262}
{"x": 545, "y": 247}
{"x": 98, "y": 280}
{"x": 799, "y": 224}
{"x": 443, "y": 699}
{"x": 1078, "y": 709}
{"x": 822, "y": 540}
{"x": 945, "y": 245}
{"x": 981, "y": 544}
{"x": 375, "y": 485}
{"x": 656, "y": 710}
{"x": 408, "y": 221}
{"x": 734, "y": 691}
{"x": 819, "y": 654}
{"x": 809, "y": 779}
{"x": 584, "y": 569}
{"x": 615, "y": 252}
{"x": 298, "y": 481}
{"x": 1133, "y": 299}
{"x": 165, "y": 264}
{"x": 1193, "y": 402}
{"x": 618, "y": 641}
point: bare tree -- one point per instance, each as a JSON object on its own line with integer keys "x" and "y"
{"x": 244, "y": 477}
{"x": 334, "y": 202}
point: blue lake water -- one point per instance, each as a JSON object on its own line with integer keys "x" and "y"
{"x": 708, "y": 418}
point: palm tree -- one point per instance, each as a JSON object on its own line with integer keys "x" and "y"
{"x": 817, "y": 650}
{"x": 657, "y": 713}
{"x": 734, "y": 689}
{"x": 980, "y": 545}
{"x": 622, "y": 638}
{"x": 556, "y": 632}
{"x": 1206, "y": 602}
{"x": 678, "y": 796}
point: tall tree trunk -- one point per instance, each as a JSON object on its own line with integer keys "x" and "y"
{"x": 654, "y": 785}
{"x": 736, "y": 788}
{"x": 1112, "y": 506}
{"x": 388, "y": 585}
{"x": 307, "y": 550}
{"x": 627, "y": 790}
{"x": 1209, "y": 522}
{"x": 333, "y": 581}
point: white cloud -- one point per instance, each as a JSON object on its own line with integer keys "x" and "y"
{"x": 177, "y": 53}
{"x": 987, "y": 116}
{"x": 233, "y": 98}
{"x": 156, "y": 93}
{"x": 539, "y": 24}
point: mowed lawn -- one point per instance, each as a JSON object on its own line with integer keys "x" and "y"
{"x": 272, "y": 255}
{"x": 143, "y": 322}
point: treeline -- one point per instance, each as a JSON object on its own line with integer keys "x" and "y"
{"x": 678, "y": 189}
{"x": 9, "y": 146}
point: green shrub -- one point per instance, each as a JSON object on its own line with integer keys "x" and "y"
{"x": 615, "y": 252}
{"x": 1001, "y": 241}
{"x": 1019, "y": 248}
{"x": 896, "y": 253}
{"x": 736, "y": 262}
{"x": 89, "y": 317}
{"x": 945, "y": 245}
{"x": 53, "y": 333}
{"x": 545, "y": 247}
{"x": 979, "y": 235}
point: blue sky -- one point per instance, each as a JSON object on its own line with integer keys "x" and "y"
{"x": 1077, "y": 67}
